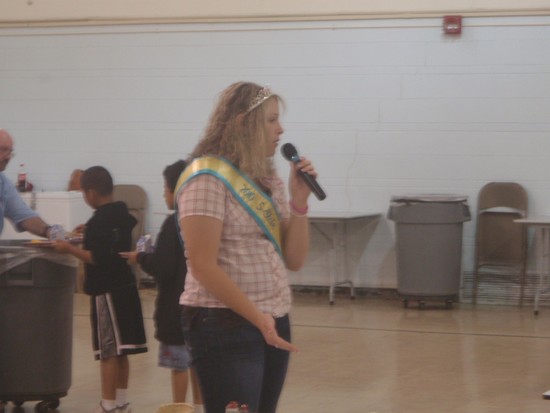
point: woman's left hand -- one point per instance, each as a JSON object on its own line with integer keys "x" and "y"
{"x": 272, "y": 338}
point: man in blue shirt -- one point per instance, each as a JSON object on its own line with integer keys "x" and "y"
{"x": 12, "y": 205}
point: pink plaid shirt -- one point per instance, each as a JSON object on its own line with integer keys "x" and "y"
{"x": 245, "y": 253}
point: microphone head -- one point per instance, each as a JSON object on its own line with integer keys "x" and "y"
{"x": 289, "y": 151}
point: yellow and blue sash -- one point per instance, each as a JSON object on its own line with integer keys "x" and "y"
{"x": 258, "y": 204}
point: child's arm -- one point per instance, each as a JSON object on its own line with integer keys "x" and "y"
{"x": 68, "y": 248}
{"x": 131, "y": 256}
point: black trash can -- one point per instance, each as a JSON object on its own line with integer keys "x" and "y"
{"x": 429, "y": 246}
{"x": 36, "y": 321}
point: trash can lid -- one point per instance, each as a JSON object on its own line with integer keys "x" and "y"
{"x": 429, "y": 198}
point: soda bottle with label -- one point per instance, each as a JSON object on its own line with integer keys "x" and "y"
{"x": 21, "y": 178}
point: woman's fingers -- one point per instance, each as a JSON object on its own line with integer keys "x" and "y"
{"x": 272, "y": 338}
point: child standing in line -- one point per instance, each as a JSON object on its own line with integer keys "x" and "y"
{"x": 117, "y": 320}
{"x": 168, "y": 267}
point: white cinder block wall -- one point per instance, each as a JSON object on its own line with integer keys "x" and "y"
{"x": 383, "y": 107}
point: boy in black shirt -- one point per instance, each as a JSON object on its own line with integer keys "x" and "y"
{"x": 168, "y": 267}
{"x": 117, "y": 320}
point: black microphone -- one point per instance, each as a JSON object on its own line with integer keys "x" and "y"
{"x": 291, "y": 154}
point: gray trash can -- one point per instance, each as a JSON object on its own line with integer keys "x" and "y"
{"x": 36, "y": 321}
{"x": 429, "y": 245}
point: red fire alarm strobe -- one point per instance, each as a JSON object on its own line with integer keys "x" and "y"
{"x": 452, "y": 24}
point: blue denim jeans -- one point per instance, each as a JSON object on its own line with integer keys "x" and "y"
{"x": 233, "y": 361}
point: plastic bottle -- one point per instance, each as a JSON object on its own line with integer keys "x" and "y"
{"x": 21, "y": 178}
{"x": 144, "y": 243}
{"x": 243, "y": 408}
{"x": 57, "y": 232}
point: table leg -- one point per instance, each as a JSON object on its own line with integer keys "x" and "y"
{"x": 332, "y": 262}
{"x": 544, "y": 265}
{"x": 339, "y": 261}
{"x": 543, "y": 243}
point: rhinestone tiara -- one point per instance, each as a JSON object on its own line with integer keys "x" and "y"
{"x": 263, "y": 94}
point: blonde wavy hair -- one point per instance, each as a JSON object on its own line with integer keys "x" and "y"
{"x": 238, "y": 134}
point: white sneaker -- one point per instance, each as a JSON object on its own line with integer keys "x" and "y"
{"x": 125, "y": 408}
{"x": 100, "y": 409}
